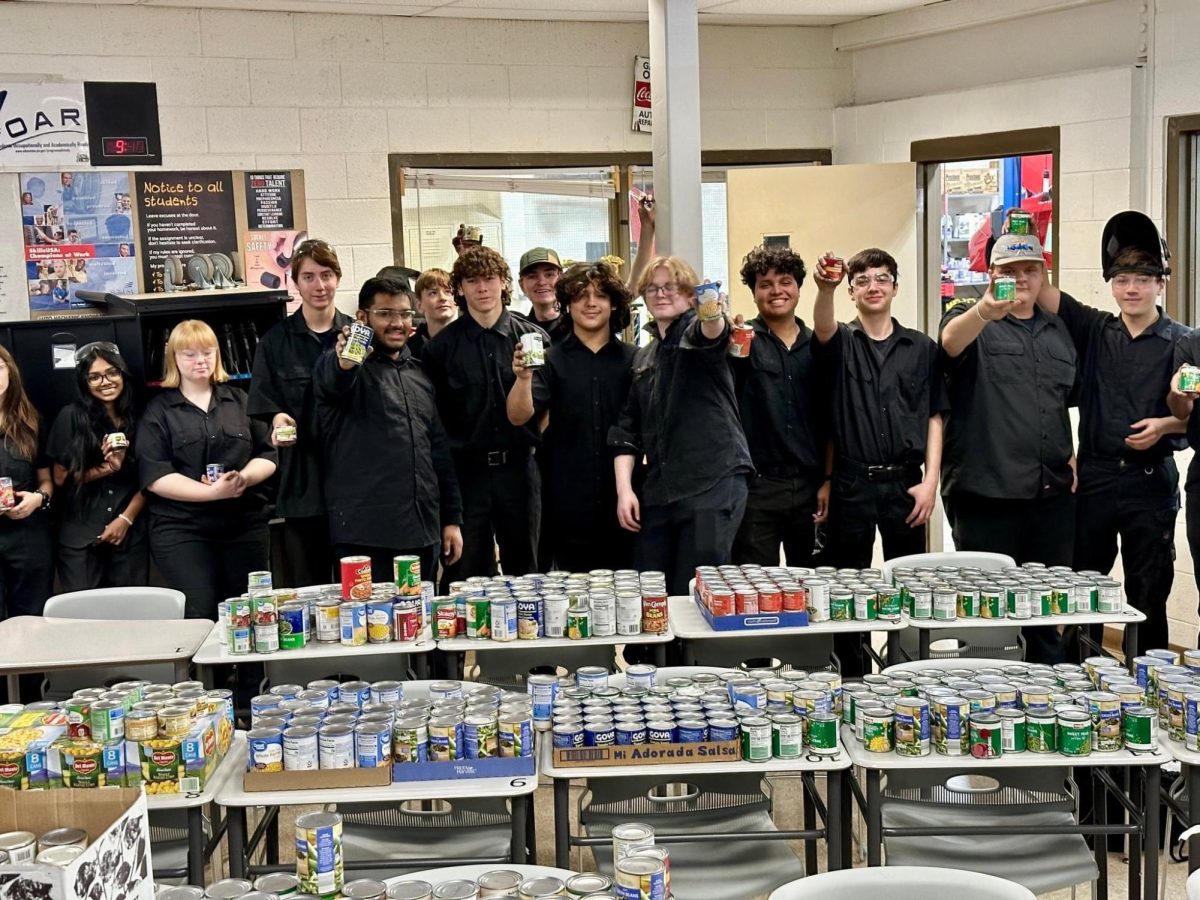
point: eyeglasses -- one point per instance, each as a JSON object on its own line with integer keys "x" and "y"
{"x": 655, "y": 290}
{"x": 310, "y": 245}
{"x": 882, "y": 278}
{"x": 391, "y": 315}
{"x": 112, "y": 376}
{"x": 1142, "y": 281}
{"x": 193, "y": 356}
{"x": 82, "y": 353}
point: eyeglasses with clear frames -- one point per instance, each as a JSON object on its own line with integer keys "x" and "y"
{"x": 391, "y": 315}
{"x": 1142, "y": 281}
{"x": 194, "y": 356}
{"x": 865, "y": 280}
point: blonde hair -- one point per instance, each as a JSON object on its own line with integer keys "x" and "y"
{"x": 192, "y": 334}
{"x": 682, "y": 274}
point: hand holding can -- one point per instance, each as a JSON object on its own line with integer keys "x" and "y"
{"x": 1189, "y": 379}
{"x": 213, "y": 471}
{"x": 533, "y": 350}
{"x": 708, "y": 301}
{"x": 830, "y": 268}
{"x": 357, "y": 344}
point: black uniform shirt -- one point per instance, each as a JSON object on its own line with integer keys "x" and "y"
{"x": 86, "y": 510}
{"x": 23, "y": 471}
{"x": 1009, "y": 433}
{"x": 177, "y": 436}
{"x": 784, "y": 413}
{"x": 1123, "y": 379}
{"x": 884, "y": 393}
{"x": 391, "y": 477}
{"x": 682, "y": 413}
{"x": 282, "y": 382}
{"x": 471, "y": 370}
{"x": 558, "y": 329}
{"x": 418, "y": 339}
{"x": 1187, "y": 353}
{"x": 584, "y": 392}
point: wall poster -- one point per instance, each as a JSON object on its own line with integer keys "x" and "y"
{"x": 183, "y": 214}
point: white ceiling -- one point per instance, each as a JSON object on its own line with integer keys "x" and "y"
{"x": 713, "y": 12}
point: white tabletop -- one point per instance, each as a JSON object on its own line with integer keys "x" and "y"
{"x": 36, "y": 643}
{"x": 1127, "y": 614}
{"x": 966, "y": 662}
{"x": 1178, "y": 750}
{"x": 689, "y": 624}
{"x": 231, "y": 793}
{"x": 470, "y": 873}
{"x": 935, "y": 761}
{"x": 463, "y": 645}
{"x": 807, "y": 763}
{"x": 230, "y": 767}
{"x": 212, "y": 652}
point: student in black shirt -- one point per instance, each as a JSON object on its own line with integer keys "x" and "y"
{"x": 1010, "y": 462}
{"x": 682, "y": 416}
{"x": 1128, "y": 482}
{"x": 470, "y": 364}
{"x": 206, "y": 535}
{"x": 540, "y": 271}
{"x": 581, "y": 387}
{"x": 435, "y": 302}
{"x": 281, "y": 395}
{"x": 888, "y": 401}
{"x": 395, "y": 492}
{"x": 101, "y": 534}
{"x": 26, "y": 540}
{"x": 784, "y": 416}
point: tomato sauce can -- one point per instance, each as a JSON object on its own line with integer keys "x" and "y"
{"x": 356, "y": 577}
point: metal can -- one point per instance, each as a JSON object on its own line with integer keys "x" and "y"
{"x": 579, "y": 622}
{"x": 300, "y": 752}
{"x": 654, "y": 611}
{"x": 406, "y": 573}
{"x": 945, "y": 603}
{"x": 641, "y": 878}
{"x": 293, "y": 632}
{"x": 820, "y": 733}
{"x": 373, "y": 745}
{"x": 1139, "y": 729}
{"x": 406, "y": 620}
{"x": 266, "y": 750}
{"x": 1105, "y": 709}
{"x": 888, "y": 603}
{"x": 20, "y": 846}
{"x": 1108, "y": 599}
{"x": 358, "y": 343}
{"x": 410, "y": 740}
{"x": 691, "y": 731}
{"x": 1074, "y": 732}
{"x": 1020, "y": 223}
{"x": 335, "y": 745}
{"x": 379, "y": 620}
{"x": 281, "y": 884}
{"x": 1189, "y": 379}
{"x": 319, "y": 860}
{"x": 1012, "y": 730}
{"x": 1060, "y": 598}
{"x": 599, "y": 733}
{"x": 328, "y": 624}
{"x": 630, "y": 837}
{"x": 534, "y": 349}
{"x": 479, "y": 618}
{"x": 567, "y": 735}
{"x": 140, "y": 725}
{"x": 922, "y": 602}
{"x": 356, "y": 577}
{"x": 878, "y": 729}
{"x": 353, "y": 619}
{"x": 554, "y": 615}
{"x": 590, "y": 883}
{"x": 266, "y": 637}
{"x": 912, "y": 727}
{"x": 756, "y": 739}
{"x": 629, "y": 612}
{"x": 866, "y": 605}
{"x": 817, "y": 600}
{"x": 106, "y": 719}
{"x": 530, "y": 622}
{"x": 445, "y": 618}
{"x": 968, "y": 601}
{"x": 949, "y": 725}
{"x": 504, "y": 620}
{"x": 986, "y": 736}
{"x": 214, "y": 471}
{"x": 1041, "y": 731}
{"x": 514, "y": 733}
{"x": 8, "y": 498}
{"x": 1004, "y": 289}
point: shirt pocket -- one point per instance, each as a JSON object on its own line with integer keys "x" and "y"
{"x": 294, "y": 383}
{"x": 1004, "y": 363}
{"x": 1059, "y": 361}
{"x": 236, "y": 445}
{"x": 914, "y": 393}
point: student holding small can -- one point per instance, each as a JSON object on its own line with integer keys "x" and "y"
{"x": 203, "y": 462}
{"x": 101, "y": 535}
{"x": 281, "y": 395}
{"x": 380, "y": 426}
{"x": 539, "y": 273}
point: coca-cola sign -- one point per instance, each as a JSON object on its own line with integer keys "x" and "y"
{"x": 642, "y": 116}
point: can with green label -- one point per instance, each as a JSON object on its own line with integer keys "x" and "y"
{"x": 787, "y": 736}
{"x": 986, "y": 736}
{"x": 821, "y": 733}
{"x": 1041, "y": 600}
{"x": 1012, "y": 730}
{"x": 879, "y": 730}
{"x": 1060, "y": 598}
{"x": 756, "y": 739}
{"x": 1020, "y": 223}
{"x": 889, "y": 603}
{"x": 479, "y": 618}
{"x": 945, "y": 603}
{"x": 841, "y": 605}
{"x": 1004, "y": 289}
{"x": 1139, "y": 728}
{"x": 1074, "y": 732}
{"x": 990, "y": 604}
{"x": 866, "y": 605}
{"x": 1041, "y": 731}
{"x": 968, "y": 601}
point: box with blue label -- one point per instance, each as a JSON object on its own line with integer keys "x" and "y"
{"x": 752, "y": 621}
{"x": 491, "y": 767}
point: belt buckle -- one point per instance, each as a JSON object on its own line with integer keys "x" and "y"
{"x": 873, "y": 471}
{"x": 497, "y": 457}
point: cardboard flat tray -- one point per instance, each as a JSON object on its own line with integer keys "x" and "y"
{"x": 754, "y": 622}
{"x": 495, "y": 767}
{"x": 332, "y": 779}
{"x": 647, "y": 754}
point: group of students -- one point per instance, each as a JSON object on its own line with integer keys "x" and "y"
{"x": 449, "y": 442}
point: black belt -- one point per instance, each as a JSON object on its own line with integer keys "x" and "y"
{"x": 492, "y": 458}
{"x": 806, "y": 473}
{"x": 1123, "y": 464}
{"x": 883, "y": 472}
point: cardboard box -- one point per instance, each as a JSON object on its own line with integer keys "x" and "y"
{"x": 180, "y": 766}
{"x": 116, "y": 861}
{"x": 316, "y": 779}
{"x": 648, "y": 754}
{"x": 497, "y": 767}
{"x": 754, "y": 622}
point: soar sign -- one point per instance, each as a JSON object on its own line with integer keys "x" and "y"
{"x": 42, "y": 125}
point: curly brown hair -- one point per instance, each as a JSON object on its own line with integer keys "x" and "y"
{"x": 480, "y": 262}
{"x": 762, "y": 260}
{"x": 573, "y": 282}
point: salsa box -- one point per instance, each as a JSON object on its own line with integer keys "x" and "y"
{"x": 648, "y": 754}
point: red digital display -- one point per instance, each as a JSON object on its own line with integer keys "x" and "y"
{"x": 126, "y": 146}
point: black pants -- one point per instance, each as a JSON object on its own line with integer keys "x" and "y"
{"x": 1039, "y": 530}
{"x": 1192, "y": 514}
{"x": 779, "y": 510}
{"x": 103, "y": 565}
{"x": 208, "y": 562}
{"x": 858, "y": 506}
{"x": 581, "y": 547}
{"x": 1138, "y": 505}
{"x": 501, "y": 505}
{"x": 26, "y": 565}
{"x": 382, "y": 559}
{"x": 307, "y": 552}
{"x": 695, "y": 531}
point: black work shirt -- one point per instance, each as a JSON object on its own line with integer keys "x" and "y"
{"x": 175, "y": 435}
{"x": 471, "y": 370}
{"x": 1009, "y": 434}
{"x": 784, "y": 413}
{"x": 558, "y": 329}
{"x": 86, "y": 510}
{"x": 584, "y": 392}
{"x": 391, "y": 477}
{"x": 24, "y": 474}
{"x": 282, "y": 382}
{"x": 682, "y": 413}
{"x": 1187, "y": 353}
{"x": 884, "y": 393}
{"x": 1123, "y": 379}
{"x": 417, "y": 340}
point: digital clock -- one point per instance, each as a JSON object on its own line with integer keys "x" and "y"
{"x": 125, "y": 146}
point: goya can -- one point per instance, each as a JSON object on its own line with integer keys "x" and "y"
{"x": 358, "y": 343}
{"x": 530, "y": 622}
{"x": 356, "y": 577}
{"x": 756, "y": 739}
{"x": 319, "y": 862}
{"x": 986, "y": 736}
{"x": 1074, "y": 732}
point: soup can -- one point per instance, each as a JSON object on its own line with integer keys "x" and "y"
{"x": 353, "y": 619}
{"x": 319, "y": 860}
{"x": 379, "y": 620}
{"x": 356, "y": 577}
{"x": 986, "y": 736}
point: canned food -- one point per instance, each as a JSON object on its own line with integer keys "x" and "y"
{"x": 445, "y": 739}
{"x": 406, "y": 575}
{"x": 266, "y": 749}
{"x": 1020, "y": 223}
{"x": 353, "y": 619}
{"x": 1189, "y": 379}
{"x": 951, "y": 733}
{"x": 567, "y": 735}
{"x": 141, "y": 725}
{"x": 107, "y": 721}
{"x": 356, "y": 577}
{"x": 594, "y": 883}
{"x": 228, "y": 888}
{"x": 293, "y": 622}
{"x": 641, "y": 878}
{"x": 281, "y": 884}
{"x": 358, "y": 343}
{"x": 214, "y": 471}
{"x": 530, "y": 624}
{"x": 319, "y": 860}
{"x": 504, "y": 620}
{"x": 757, "y": 736}
{"x": 986, "y": 736}
{"x": 579, "y": 622}
{"x": 912, "y": 727}
{"x": 1012, "y": 730}
{"x": 878, "y": 729}
{"x": 335, "y": 744}
{"x": 300, "y": 751}
{"x": 379, "y": 620}
{"x": 534, "y": 350}
{"x": 479, "y": 618}
{"x": 21, "y": 846}
{"x": 630, "y": 837}
{"x": 1139, "y": 729}
{"x": 514, "y": 734}
{"x": 1004, "y": 289}
{"x": 327, "y": 618}
{"x": 820, "y": 733}
{"x": 410, "y": 890}
{"x": 1074, "y": 732}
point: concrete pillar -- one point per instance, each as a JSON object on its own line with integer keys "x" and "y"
{"x": 675, "y": 96}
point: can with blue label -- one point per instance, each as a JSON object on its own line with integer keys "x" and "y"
{"x": 599, "y": 734}
{"x": 640, "y": 676}
{"x": 357, "y": 693}
{"x": 543, "y": 691}
{"x": 724, "y": 729}
{"x": 631, "y": 733}
{"x": 481, "y": 737}
{"x": 266, "y": 750}
{"x": 661, "y": 731}
{"x": 747, "y": 695}
{"x": 641, "y": 878}
{"x": 262, "y": 705}
{"x": 530, "y": 623}
{"x": 373, "y": 745}
{"x": 515, "y": 733}
{"x": 504, "y": 620}
{"x": 387, "y": 692}
{"x": 567, "y": 735}
{"x": 293, "y": 622}
{"x": 692, "y": 731}
{"x": 353, "y": 618}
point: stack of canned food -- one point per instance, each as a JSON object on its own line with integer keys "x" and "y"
{"x": 1172, "y": 686}
{"x": 327, "y": 725}
{"x": 1069, "y": 709}
{"x": 771, "y": 714}
{"x": 168, "y": 737}
{"x": 600, "y": 603}
{"x": 943, "y": 593}
{"x": 57, "y": 847}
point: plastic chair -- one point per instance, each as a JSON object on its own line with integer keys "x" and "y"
{"x": 900, "y": 883}
{"x": 800, "y": 652}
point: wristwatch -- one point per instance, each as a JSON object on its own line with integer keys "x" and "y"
{"x": 45, "y": 498}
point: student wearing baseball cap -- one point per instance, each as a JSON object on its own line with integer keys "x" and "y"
{"x": 539, "y": 273}
{"x": 1009, "y": 467}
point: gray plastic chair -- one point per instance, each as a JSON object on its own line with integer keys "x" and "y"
{"x": 900, "y": 883}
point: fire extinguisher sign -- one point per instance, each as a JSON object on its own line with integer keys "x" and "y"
{"x": 641, "y": 94}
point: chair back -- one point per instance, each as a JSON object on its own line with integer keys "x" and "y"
{"x": 117, "y": 603}
{"x": 978, "y": 559}
{"x": 899, "y": 882}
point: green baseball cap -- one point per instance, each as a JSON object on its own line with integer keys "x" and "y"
{"x": 537, "y": 256}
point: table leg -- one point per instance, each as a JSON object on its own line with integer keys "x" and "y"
{"x": 660, "y": 655}
{"x": 181, "y": 669}
{"x": 531, "y": 832}
{"x": 846, "y": 838}
{"x": 834, "y": 848}
{"x": 520, "y": 810}
{"x": 236, "y": 817}
{"x": 1192, "y": 774}
{"x": 421, "y": 666}
{"x": 1131, "y": 633}
{"x": 810, "y": 818}
{"x": 1133, "y": 790}
{"x": 562, "y": 823}
{"x": 922, "y": 643}
{"x": 893, "y": 648}
{"x": 1152, "y": 837}
{"x": 272, "y": 837}
{"x": 205, "y": 675}
{"x": 1100, "y": 845}
{"x": 195, "y": 853}
{"x": 689, "y": 652}
{"x": 14, "y": 688}
{"x": 874, "y": 818}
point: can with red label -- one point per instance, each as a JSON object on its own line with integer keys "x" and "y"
{"x": 406, "y": 621}
{"x": 654, "y": 613}
{"x": 794, "y": 599}
{"x": 745, "y": 600}
{"x": 741, "y": 337}
{"x": 833, "y": 266}
{"x": 8, "y": 499}
{"x": 356, "y": 577}
{"x": 722, "y": 602}
{"x": 445, "y": 618}
{"x": 770, "y": 598}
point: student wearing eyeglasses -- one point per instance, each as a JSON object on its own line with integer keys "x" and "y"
{"x": 281, "y": 395}
{"x": 101, "y": 534}
{"x": 207, "y": 534}
{"x": 393, "y": 490}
